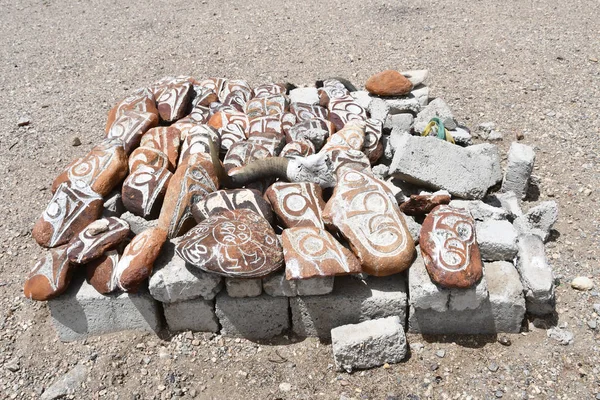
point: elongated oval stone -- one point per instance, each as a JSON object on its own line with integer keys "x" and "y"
{"x": 229, "y": 200}
{"x": 50, "y": 276}
{"x": 96, "y": 238}
{"x": 449, "y": 247}
{"x": 297, "y": 204}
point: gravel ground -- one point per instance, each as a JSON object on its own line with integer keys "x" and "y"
{"x": 530, "y": 67}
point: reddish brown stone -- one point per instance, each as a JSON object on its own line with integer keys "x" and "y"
{"x": 300, "y": 148}
{"x": 352, "y": 136}
{"x": 175, "y": 101}
{"x": 129, "y": 128}
{"x": 232, "y": 127}
{"x": 148, "y": 157}
{"x": 279, "y": 123}
{"x": 165, "y": 139}
{"x": 103, "y": 168}
{"x": 204, "y": 96}
{"x": 190, "y": 184}
{"x": 229, "y": 200}
{"x": 242, "y": 153}
{"x": 144, "y": 189}
{"x": 238, "y": 244}
{"x": 310, "y": 252}
{"x": 388, "y": 83}
{"x": 141, "y": 100}
{"x": 362, "y": 209}
{"x": 315, "y": 130}
{"x": 273, "y": 142}
{"x": 373, "y": 148}
{"x": 96, "y": 238}
{"x": 297, "y": 204}
{"x": 100, "y": 272}
{"x": 137, "y": 261}
{"x": 263, "y": 106}
{"x": 345, "y": 109}
{"x": 421, "y": 204}
{"x": 350, "y": 158}
{"x": 269, "y": 89}
{"x": 50, "y": 276}
{"x": 332, "y": 89}
{"x": 198, "y": 141}
{"x": 449, "y": 247}
{"x": 235, "y": 85}
{"x": 72, "y": 208}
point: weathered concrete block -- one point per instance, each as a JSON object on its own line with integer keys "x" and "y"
{"x": 437, "y": 108}
{"x": 138, "y": 224}
{"x": 479, "y": 210}
{"x": 368, "y": 344}
{"x": 316, "y": 286}
{"x": 402, "y": 122}
{"x": 403, "y": 104}
{"x": 539, "y": 220}
{"x": 254, "y": 318}
{"x": 307, "y": 95}
{"x": 518, "y": 170}
{"x": 507, "y": 201}
{"x": 197, "y": 315}
{"x": 362, "y": 98}
{"x": 421, "y": 93}
{"x": 506, "y": 296}
{"x": 276, "y": 285}
{"x": 379, "y": 109}
{"x": 536, "y": 275}
{"x": 416, "y": 76}
{"x": 81, "y": 312}
{"x": 352, "y": 301}
{"x": 173, "y": 281}
{"x": 497, "y": 240}
{"x": 243, "y": 287}
{"x": 464, "y": 172}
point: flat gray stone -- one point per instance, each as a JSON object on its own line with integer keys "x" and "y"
{"x": 362, "y": 98}
{"x": 307, "y": 95}
{"x": 416, "y": 76}
{"x": 316, "y": 286}
{"x": 421, "y": 93}
{"x": 536, "y": 275}
{"x": 403, "y": 104}
{"x": 480, "y": 210}
{"x": 539, "y": 220}
{"x": 507, "y": 201}
{"x": 521, "y": 159}
{"x": 66, "y": 384}
{"x": 461, "y": 136}
{"x": 436, "y": 108}
{"x": 276, "y": 285}
{"x": 196, "y": 315}
{"x": 402, "y": 122}
{"x": 243, "y": 287}
{"x": 497, "y": 240}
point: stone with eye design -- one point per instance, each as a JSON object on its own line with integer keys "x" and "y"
{"x": 236, "y": 244}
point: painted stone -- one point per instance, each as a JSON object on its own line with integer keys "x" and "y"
{"x": 237, "y": 244}
{"x": 332, "y": 89}
{"x": 137, "y": 261}
{"x": 237, "y": 99}
{"x": 165, "y": 83}
{"x": 144, "y": 189}
{"x": 103, "y": 168}
{"x": 421, "y": 204}
{"x": 166, "y": 139}
{"x": 72, "y": 208}
{"x": 204, "y": 96}
{"x": 263, "y": 106}
{"x": 297, "y": 204}
{"x": 344, "y": 110}
{"x": 146, "y": 156}
{"x": 273, "y": 142}
{"x": 268, "y": 89}
{"x": 229, "y": 200}
{"x": 99, "y": 236}
{"x": 242, "y": 153}
{"x": 304, "y": 111}
{"x": 141, "y": 100}
{"x": 232, "y": 85}
{"x": 130, "y": 126}
{"x": 231, "y": 126}
{"x": 190, "y": 184}
{"x": 352, "y": 136}
{"x": 388, "y": 83}
{"x": 99, "y": 272}
{"x": 373, "y": 148}
{"x": 279, "y": 123}
{"x": 175, "y": 101}
{"x": 311, "y": 252}
{"x": 300, "y": 148}
{"x": 315, "y": 130}
{"x": 449, "y": 247}
{"x": 214, "y": 84}
{"x": 50, "y": 276}
{"x": 363, "y": 211}
{"x": 350, "y": 158}
{"x": 195, "y": 139}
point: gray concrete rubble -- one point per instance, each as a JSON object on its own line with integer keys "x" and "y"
{"x": 362, "y": 98}
{"x": 316, "y": 286}
{"x": 82, "y": 312}
{"x": 113, "y": 205}
{"x": 461, "y": 136}
{"x": 480, "y": 210}
{"x": 536, "y": 275}
{"x": 539, "y": 220}
{"x": 421, "y": 93}
{"x": 243, "y": 287}
{"x": 413, "y": 227}
{"x": 518, "y": 171}
{"x": 306, "y": 95}
{"x": 402, "y": 122}
{"x": 67, "y": 384}
{"x": 138, "y": 224}
{"x": 436, "y": 108}
{"x": 403, "y": 104}
{"x": 196, "y": 315}
{"x": 497, "y": 240}
{"x": 379, "y": 109}
{"x": 507, "y": 201}
{"x": 433, "y": 163}
{"x": 368, "y": 344}
{"x": 276, "y": 285}
{"x": 173, "y": 281}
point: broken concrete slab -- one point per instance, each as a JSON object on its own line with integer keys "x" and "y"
{"x": 497, "y": 240}
{"x": 196, "y": 315}
{"x": 518, "y": 170}
{"x": 436, "y": 108}
{"x": 480, "y": 210}
{"x": 243, "y": 287}
{"x": 536, "y": 275}
{"x": 539, "y": 220}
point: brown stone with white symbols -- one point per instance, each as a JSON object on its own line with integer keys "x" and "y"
{"x": 175, "y": 101}
{"x": 141, "y": 100}
{"x": 421, "y": 204}
{"x": 297, "y": 204}
{"x": 50, "y": 276}
{"x": 130, "y": 126}
{"x": 165, "y": 139}
{"x": 100, "y": 272}
{"x": 99, "y": 236}
{"x": 229, "y": 200}
{"x": 144, "y": 189}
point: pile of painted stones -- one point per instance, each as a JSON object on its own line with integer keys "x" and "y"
{"x": 254, "y": 180}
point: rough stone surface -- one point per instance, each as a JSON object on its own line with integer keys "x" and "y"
{"x": 508, "y": 202}
{"x": 196, "y": 315}
{"x": 68, "y": 384}
{"x": 368, "y": 344}
{"x": 276, "y": 285}
{"x": 113, "y": 205}
{"x": 228, "y": 200}
{"x": 401, "y": 122}
{"x": 436, "y": 108}
{"x": 243, "y": 287}
{"x": 81, "y": 312}
{"x": 254, "y": 318}
{"x": 539, "y": 220}
{"x": 297, "y": 204}
{"x": 413, "y": 227}
{"x": 352, "y": 301}
{"x": 497, "y": 240}
{"x": 421, "y": 204}
{"x": 480, "y": 210}
{"x": 379, "y": 109}
{"x": 536, "y": 275}
{"x": 317, "y": 286}
{"x": 520, "y": 164}
{"x": 388, "y": 83}
{"x": 138, "y": 224}
{"x": 464, "y": 172}
{"x": 404, "y": 104}
{"x": 461, "y": 136}
{"x": 307, "y": 95}
{"x": 99, "y": 236}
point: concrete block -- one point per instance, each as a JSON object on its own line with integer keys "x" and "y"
{"x": 480, "y": 210}
{"x": 437, "y": 164}
{"x": 518, "y": 170}
{"x": 197, "y": 315}
{"x": 352, "y": 301}
{"x": 403, "y": 104}
{"x": 113, "y": 205}
{"x": 243, "y": 287}
{"x": 138, "y": 224}
{"x": 81, "y": 312}
{"x": 368, "y": 344}
{"x": 316, "y": 286}
{"x": 421, "y": 93}
{"x": 539, "y": 220}
{"x": 379, "y": 109}
{"x": 276, "y": 285}
{"x": 506, "y": 296}
{"x": 507, "y": 201}
{"x": 497, "y": 240}
{"x": 436, "y": 108}
{"x": 362, "y": 98}
{"x": 307, "y": 95}
{"x": 174, "y": 281}
{"x": 254, "y": 318}
{"x": 536, "y": 275}
{"x": 402, "y": 122}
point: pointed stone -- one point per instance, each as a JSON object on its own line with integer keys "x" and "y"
{"x": 50, "y": 276}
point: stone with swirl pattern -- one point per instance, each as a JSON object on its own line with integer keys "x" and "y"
{"x": 311, "y": 252}
{"x": 50, "y": 275}
{"x": 297, "y": 204}
{"x": 345, "y": 109}
{"x": 165, "y": 139}
{"x": 130, "y": 126}
{"x": 362, "y": 210}
{"x": 141, "y": 100}
{"x": 236, "y": 244}
{"x": 98, "y": 237}
{"x": 229, "y": 200}
{"x": 449, "y": 247}
{"x": 175, "y": 101}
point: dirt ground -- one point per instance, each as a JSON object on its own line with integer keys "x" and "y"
{"x": 531, "y": 67}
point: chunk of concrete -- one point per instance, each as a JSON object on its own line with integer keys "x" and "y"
{"x": 368, "y": 344}
{"x": 68, "y": 384}
{"x": 379, "y": 109}
{"x": 317, "y": 286}
{"x": 518, "y": 171}
{"x": 507, "y": 201}
{"x": 401, "y": 122}
{"x": 506, "y": 296}
{"x": 536, "y": 275}
{"x": 254, "y": 318}
{"x": 196, "y": 315}
{"x": 174, "y": 281}
{"x": 81, "y": 312}
{"x": 427, "y": 161}
{"x": 414, "y": 228}
{"x": 403, "y": 104}
{"x": 539, "y": 220}
{"x": 138, "y": 224}
{"x": 237, "y": 287}
{"x": 461, "y": 136}
{"x": 421, "y": 93}
{"x": 306, "y": 95}
{"x": 362, "y": 98}
{"x": 497, "y": 240}
{"x": 276, "y": 285}
{"x": 480, "y": 210}
{"x": 436, "y": 108}
{"x": 352, "y": 301}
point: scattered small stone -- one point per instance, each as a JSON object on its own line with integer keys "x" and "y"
{"x": 23, "y": 121}
{"x": 597, "y": 308}
{"x": 582, "y": 283}
{"x": 562, "y": 336}
{"x": 440, "y": 353}
{"x": 504, "y": 341}
{"x": 75, "y": 141}
{"x": 499, "y": 394}
{"x": 493, "y": 367}
{"x": 12, "y": 365}
{"x": 434, "y": 367}
{"x": 161, "y": 388}
{"x": 67, "y": 384}
{"x": 495, "y": 136}
{"x": 592, "y": 324}
{"x": 285, "y": 387}
{"x": 520, "y": 136}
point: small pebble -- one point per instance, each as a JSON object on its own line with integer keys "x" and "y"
{"x": 504, "y": 341}
{"x": 23, "y": 121}
{"x": 285, "y": 387}
{"x": 499, "y": 394}
{"x": 75, "y": 141}
{"x": 597, "y": 308}
{"x": 493, "y": 367}
{"x": 592, "y": 324}
{"x": 440, "y": 353}
{"x": 582, "y": 283}
{"x": 520, "y": 136}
